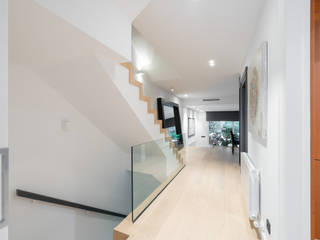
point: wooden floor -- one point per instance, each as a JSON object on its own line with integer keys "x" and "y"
{"x": 204, "y": 202}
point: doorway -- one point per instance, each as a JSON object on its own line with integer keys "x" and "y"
{"x": 243, "y": 108}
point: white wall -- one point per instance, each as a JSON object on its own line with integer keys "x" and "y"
{"x": 82, "y": 71}
{"x": 55, "y": 79}
{"x": 102, "y": 20}
{"x": 284, "y": 162}
{"x": 107, "y": 21}
{"x": 270, "y": 28}
{"x": 3, "y": 73}
{"x": 146, "y": 59}
{"x": 77, "y": 163}
{"x": 295, "y": 124}
{"x": 186, "y": 113}
{"x": 140, "y": 108}
{"x": 3, "y": 85}
{"x": 202, "y": 127}
{"x": 153, "y": 91}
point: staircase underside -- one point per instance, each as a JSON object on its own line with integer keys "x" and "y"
{"x": 69, "y": 61}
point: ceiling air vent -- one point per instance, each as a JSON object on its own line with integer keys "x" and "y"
{"x": 211, "y": 99}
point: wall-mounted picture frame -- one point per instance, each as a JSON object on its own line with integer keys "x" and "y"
{"x": 169, "y": 114}
{"x": 191, "y": 127}
{"x": 258, "y": 95}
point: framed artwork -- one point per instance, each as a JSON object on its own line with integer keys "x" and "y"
{"x": 258, "y": 95}
{"x": 191, "y": 127}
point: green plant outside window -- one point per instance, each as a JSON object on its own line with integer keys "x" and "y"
{"x": 220, "y": 132}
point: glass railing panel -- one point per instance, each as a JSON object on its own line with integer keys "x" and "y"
{"x": 154, "y": 164}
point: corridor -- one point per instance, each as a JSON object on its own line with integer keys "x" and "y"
{"x": 203, "y": 202}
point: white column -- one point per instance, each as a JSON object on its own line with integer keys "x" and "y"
{"x": 3, "y": 91}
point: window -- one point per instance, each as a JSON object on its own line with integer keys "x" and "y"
{"x": 220, "y": 132}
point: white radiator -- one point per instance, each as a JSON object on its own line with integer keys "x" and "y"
{"x": 250, "y": 180}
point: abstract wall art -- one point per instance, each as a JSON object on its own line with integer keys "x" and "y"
{"x": 258, "y": 95}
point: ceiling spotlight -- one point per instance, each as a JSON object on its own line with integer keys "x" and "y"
{"x": 211, "y": 63}
{"x": 172, "y": 89}
{"x": 186, "y": 95}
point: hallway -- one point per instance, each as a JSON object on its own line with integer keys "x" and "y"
{"x": 203, "y": 202}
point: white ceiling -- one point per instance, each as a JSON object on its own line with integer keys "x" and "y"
{"x": 188, "y": 33}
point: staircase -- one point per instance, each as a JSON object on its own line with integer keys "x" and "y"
{"x": 87, "y": 85}
{"x": 150, "y": 110}
{"x": 125, "y": 229}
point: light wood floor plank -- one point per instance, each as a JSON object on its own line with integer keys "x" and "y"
{"x": 204, "y": 202}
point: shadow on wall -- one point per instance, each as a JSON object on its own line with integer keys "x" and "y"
{"x": 74, "y": 69}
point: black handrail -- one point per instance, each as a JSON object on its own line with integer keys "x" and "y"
{"x": 43, "y": 198}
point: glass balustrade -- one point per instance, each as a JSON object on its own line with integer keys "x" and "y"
{"x": 154, "y": 165}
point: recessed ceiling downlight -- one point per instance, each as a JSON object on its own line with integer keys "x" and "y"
{"x": 212, "y": 63}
